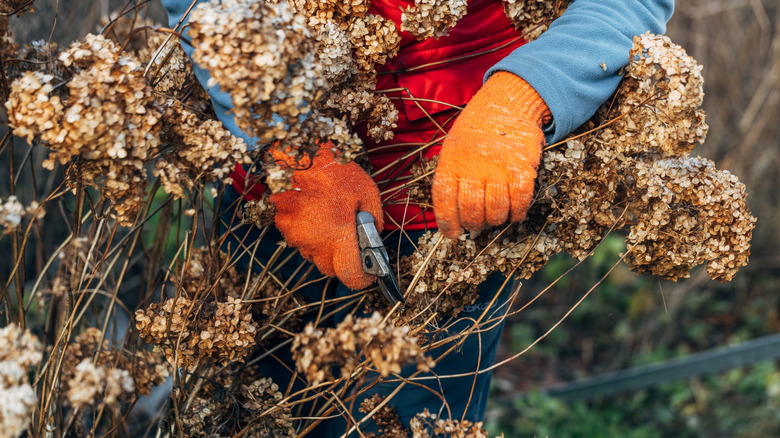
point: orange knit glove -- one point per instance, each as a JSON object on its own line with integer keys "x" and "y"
{"x": 487, "y": 165}
{"x": 318, "y": 215}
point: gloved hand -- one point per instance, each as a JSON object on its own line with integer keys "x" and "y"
{"x": 487, "y": 165}
{"x": 318, "y": 215}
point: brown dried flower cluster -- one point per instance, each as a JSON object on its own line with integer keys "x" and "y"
{"x": 12, "y": 212}
{"x": 258, "y": 212}
{"x": 8, "y": 45}
{"x": 19, "y": 352}
{"x": 425, "y": 422}
{"x": 18, "y": 7}
{"x": 432, "y": 18}
{"x": 188, "y": 331}
{"x": 693, "y": 214}
{"x": 208, "y": 274}
{"x": 91, "y": 383}
{"x": 422, "y": 179}
{"x": 198, "y": 150}
{"x": 386, "y": 347}
{"x": 112, "y": 376}
{"x": 171, "y": 71}
{"x": 253, "y": 402}
{"x": 320, "y": 12}
{"x": 374, "y": 40}
{"x": 385, "y": 417}
{"x": 261, "y": 54}
{"x": 350, "y": 42}
{"x": 107, "y": 126}
{"x": 579, "y": 194}
{"x": 630, "y": 166}
{"x": 39, "y": 56}
{"x": 275, "y": 309}
{"x": 533, "y": 17}
{"x": 664, "y": 73}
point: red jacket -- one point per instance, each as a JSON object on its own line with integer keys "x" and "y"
{"x": 441, "y": 73}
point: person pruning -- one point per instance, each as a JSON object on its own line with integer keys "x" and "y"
{"x": 517, "y": 97}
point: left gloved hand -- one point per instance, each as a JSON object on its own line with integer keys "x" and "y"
{"x": 487, "y": 165}
{"x": 318, "y": 215}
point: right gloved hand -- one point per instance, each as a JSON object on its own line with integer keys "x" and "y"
{"x": 318, "y": 215}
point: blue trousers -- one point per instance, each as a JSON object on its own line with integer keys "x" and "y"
{"x": 455, "y": 388}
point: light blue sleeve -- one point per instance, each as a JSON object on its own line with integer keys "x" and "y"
{"x": 219, "y": 99}
{"x": 574, "y": 65}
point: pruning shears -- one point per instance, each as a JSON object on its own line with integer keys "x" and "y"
{"x": 375, "y": 259}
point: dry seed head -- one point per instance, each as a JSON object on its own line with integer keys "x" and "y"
{"x": 661, "y": 93}
{"x": 579, "y": 192}
{"x": 145, "y": 369}
{"x": 426, "y": 422}
{"x": 214, "y": 413}
{"x": 18, "y": 7}
{"x": 334, "y": 52}
{"x": 387, "y": 348}
{"x": 19, "y": 352}
{"x": 200, "y": 150}
{"x": 689, "y": 213}
{"x": 171, "y": 71}
{"x": 193, "y": 330}
{"x": 321, "y": 12}
{"x": 258, "y": 212}
{"x": 261, "y": 54}
{"x": 390, "y": 425}
{"x": 39, "y": 56}
{"x": 422, "y": 172}
{"x": 533, "y": 17}
{"x": 108, "y": 123}
{"x": 12, "y": 212}
{"x": 374, "y": 39}
{"x": 432, "y": 18}
{"x": 356, "y": 101}
{"x": 91, "y": 383}
{"x": 265, "y": 57}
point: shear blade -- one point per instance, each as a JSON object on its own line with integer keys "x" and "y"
{"x": 390, "y": 289}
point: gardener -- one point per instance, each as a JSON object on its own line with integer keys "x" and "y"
{"x": 532, "y": 93}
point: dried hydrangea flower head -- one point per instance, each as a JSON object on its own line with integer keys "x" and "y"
{"x": 350, "y": 42}
{"x": 113, "y": 375}
{"x": 188, "y": 331}
{"x": 425, "y": 422}
{"x": 253, "y": 403}
{"x": 18, "y": 7}
{"x": 533, "y": 17}
{"x": 662, "y": 72}
{"x": 386, "y": 417}
{"x": 19, "y": 352}
{"x": 432, "y": 18}
{"x": 91, "y": 383}
{"x": 387, "y": 348}
{"x": 8, "y": 45}
{"x": 199, "y": 150}
{"x": 40, "y": 56}
{"x": 261, "y": 54}
{"x": 171, "y": 71}
{"x": 12, "y": 212}
{"x": 106, "y": 127}
{"x": 692, "y": 214}
{"x": 259, "y": 212}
